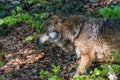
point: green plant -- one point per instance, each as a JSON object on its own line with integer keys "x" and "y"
{"x": 34, "y": 12}
{"x": 55, "y": 69}
{"x": 15, "y": 18}
{"x": 30, "y": 38}
{"x": 96, "y": 71}
{"x": 70, "y": 69}
{"x": 44, "y": 74}
{"x": 51, "y": 75}
{"x": 48, "y": 75}
{"x": 116, "y": 55}
{"x": 110, "y": 12}
{"x": 24, "y": 17}
{"x": 2, "y": 63}
{"x": 101, "y": 73}
{"x": 19, "y": 14}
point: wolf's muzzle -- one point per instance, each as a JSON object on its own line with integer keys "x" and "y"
{"x": 42, "y": 39}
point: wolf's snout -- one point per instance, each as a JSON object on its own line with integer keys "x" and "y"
{"x": 43, "y": 38}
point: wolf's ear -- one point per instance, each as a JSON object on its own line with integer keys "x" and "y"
{"x": 61, "y": 20}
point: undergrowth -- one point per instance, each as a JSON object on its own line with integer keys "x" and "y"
{"x": 34, "y": 12}
{"x": 96, "y": 74}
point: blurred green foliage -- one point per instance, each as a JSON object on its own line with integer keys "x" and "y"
{"x": 34, "y": 12}
{"x": 110, "y": 12}
{"x": 98, "y": 73}
{"x": 53, "y": 75}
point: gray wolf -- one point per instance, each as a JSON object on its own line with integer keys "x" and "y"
{"x": 92, "y": 39}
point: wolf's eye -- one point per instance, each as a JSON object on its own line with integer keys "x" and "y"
{"x": 54, "y": 34}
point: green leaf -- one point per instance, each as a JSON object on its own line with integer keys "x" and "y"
{"x": 104, "y": 69}
{"x": 43, "y": 15}
{"x": 29, "y": 38}
{"x": 115, "y": 9}
{"x": 118, "y": 12}
{"x": 96, "y": 71}
{"x": 55, "y": 69}
{"x": 54, "y": 77}
{"x": 116, "y": 68}
{"x": 12, "y": 21}
{"x": 19, "y": 9}
{"x": 30, "y": 1}
{"x": 1, "y": 63}
{"x": 106, "y": 12}
{"x": 13, "y": 12}
{"x": 44, "y": 74}
{"x": 1, "y": 21}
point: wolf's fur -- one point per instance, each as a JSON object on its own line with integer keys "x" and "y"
{"x": 93, "y": 39}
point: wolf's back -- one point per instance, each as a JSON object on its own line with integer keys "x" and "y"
{"x": 110, "y": 32}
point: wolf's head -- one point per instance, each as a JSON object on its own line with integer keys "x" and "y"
{"x": 51, "y": 31}
{"x": 62, "y": 31}
{"x": 54, "y": 32}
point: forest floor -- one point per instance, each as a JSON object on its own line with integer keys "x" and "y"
{"x": 23, "y": 60}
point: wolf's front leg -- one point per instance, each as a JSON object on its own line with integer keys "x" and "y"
{"x": 84, "y": 63}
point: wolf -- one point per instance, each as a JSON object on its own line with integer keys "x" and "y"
{"x": 92, "y": 39}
